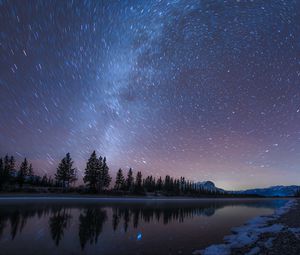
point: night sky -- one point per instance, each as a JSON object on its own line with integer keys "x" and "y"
{"x": 204, "y": 89}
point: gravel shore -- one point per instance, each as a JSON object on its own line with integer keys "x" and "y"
{"x": 277, "y": 234}
{"x": 286, "y": 241}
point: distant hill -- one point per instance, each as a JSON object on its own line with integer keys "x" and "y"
{"x": 274, "y": 191}
{"x": 280, "y": 191}
{"x": 209, "y": 186}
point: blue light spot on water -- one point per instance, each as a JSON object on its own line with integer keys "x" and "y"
{"x": 139, "y": 236}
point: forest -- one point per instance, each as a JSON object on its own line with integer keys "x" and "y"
{"x": 97, "y": 179}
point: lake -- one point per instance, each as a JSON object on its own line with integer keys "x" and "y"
{"x": 121, "y": 226}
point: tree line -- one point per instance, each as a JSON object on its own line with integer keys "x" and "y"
{"x": 24, "y": 174}
{"x": 97, "y": 178}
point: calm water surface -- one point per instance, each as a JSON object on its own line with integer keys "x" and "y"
{"x": 89, "y": 226}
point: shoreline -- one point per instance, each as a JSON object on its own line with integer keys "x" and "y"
{"x": 263, "y": 235}
{"x": 95, "y": 197}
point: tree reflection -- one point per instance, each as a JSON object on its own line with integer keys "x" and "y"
{"x": 115, "y": 219}
{"x": 3, "y": 224}
{"x": 14, "y": 218}
{"x": 136, "y": 215}
{"x": 14, "y": 223}
{"x": 126, "y": 218}
{"x": 58, "y": 222}
{"x": 18, "y": 217}
{"x": 90, "y": 225}
{"x": 162, "y": 214}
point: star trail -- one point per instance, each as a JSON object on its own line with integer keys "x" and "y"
{"x": 205, "y": 89}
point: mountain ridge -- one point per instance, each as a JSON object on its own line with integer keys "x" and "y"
{"x": 272, "y": 191}
{"x": 277, "y": 190}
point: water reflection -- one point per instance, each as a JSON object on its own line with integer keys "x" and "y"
{"x": 90, "y": 225}
{"x": 90, "y": 218}
{"x": 58, "y": 222}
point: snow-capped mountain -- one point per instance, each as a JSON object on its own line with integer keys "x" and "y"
{"x": 279, "y": 191}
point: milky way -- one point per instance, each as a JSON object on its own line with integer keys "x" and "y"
{"x": 204, "y": 89}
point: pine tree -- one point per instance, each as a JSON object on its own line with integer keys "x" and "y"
{"x": 92, "y": 172}
{"x": 8, "y": 169}
{"x": 177, "y": 186}
{"x": 138, "y": 182}
{"x": 23, "y": 172}
{"x": 182, "y": 184}
{"x": 104, "y": 177}
{"x": 2, "y": 176}
{"x": 6, "y": 165}
{"x": 171, "y": 185}
{"x": 44, "y": 181}
{"x": 11, "y": 164}
{"x": 167, "y": 186}
{"x": 65, "y": 173}
{"x": 12, "y": 171}
{"x": 71, "y": 172}
{"x": 60, "y": 175}
{"x": 30, "y": 174}
{"x": 129, "y": 180}
{"x": 159, "y": 184}
{"x": 50, "y": 182}
{"x": 120, "y": 181}
{"x": 149, "y": 183}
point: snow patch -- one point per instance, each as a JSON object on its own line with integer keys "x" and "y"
{"x": 269, "y": 243}
{"x": 249, "y": 233}
{"x": 218, "y": 249}
{"x": 253, "y": 251}
{"x": 284, "y": 209}
{"x": 295, "y": 231}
